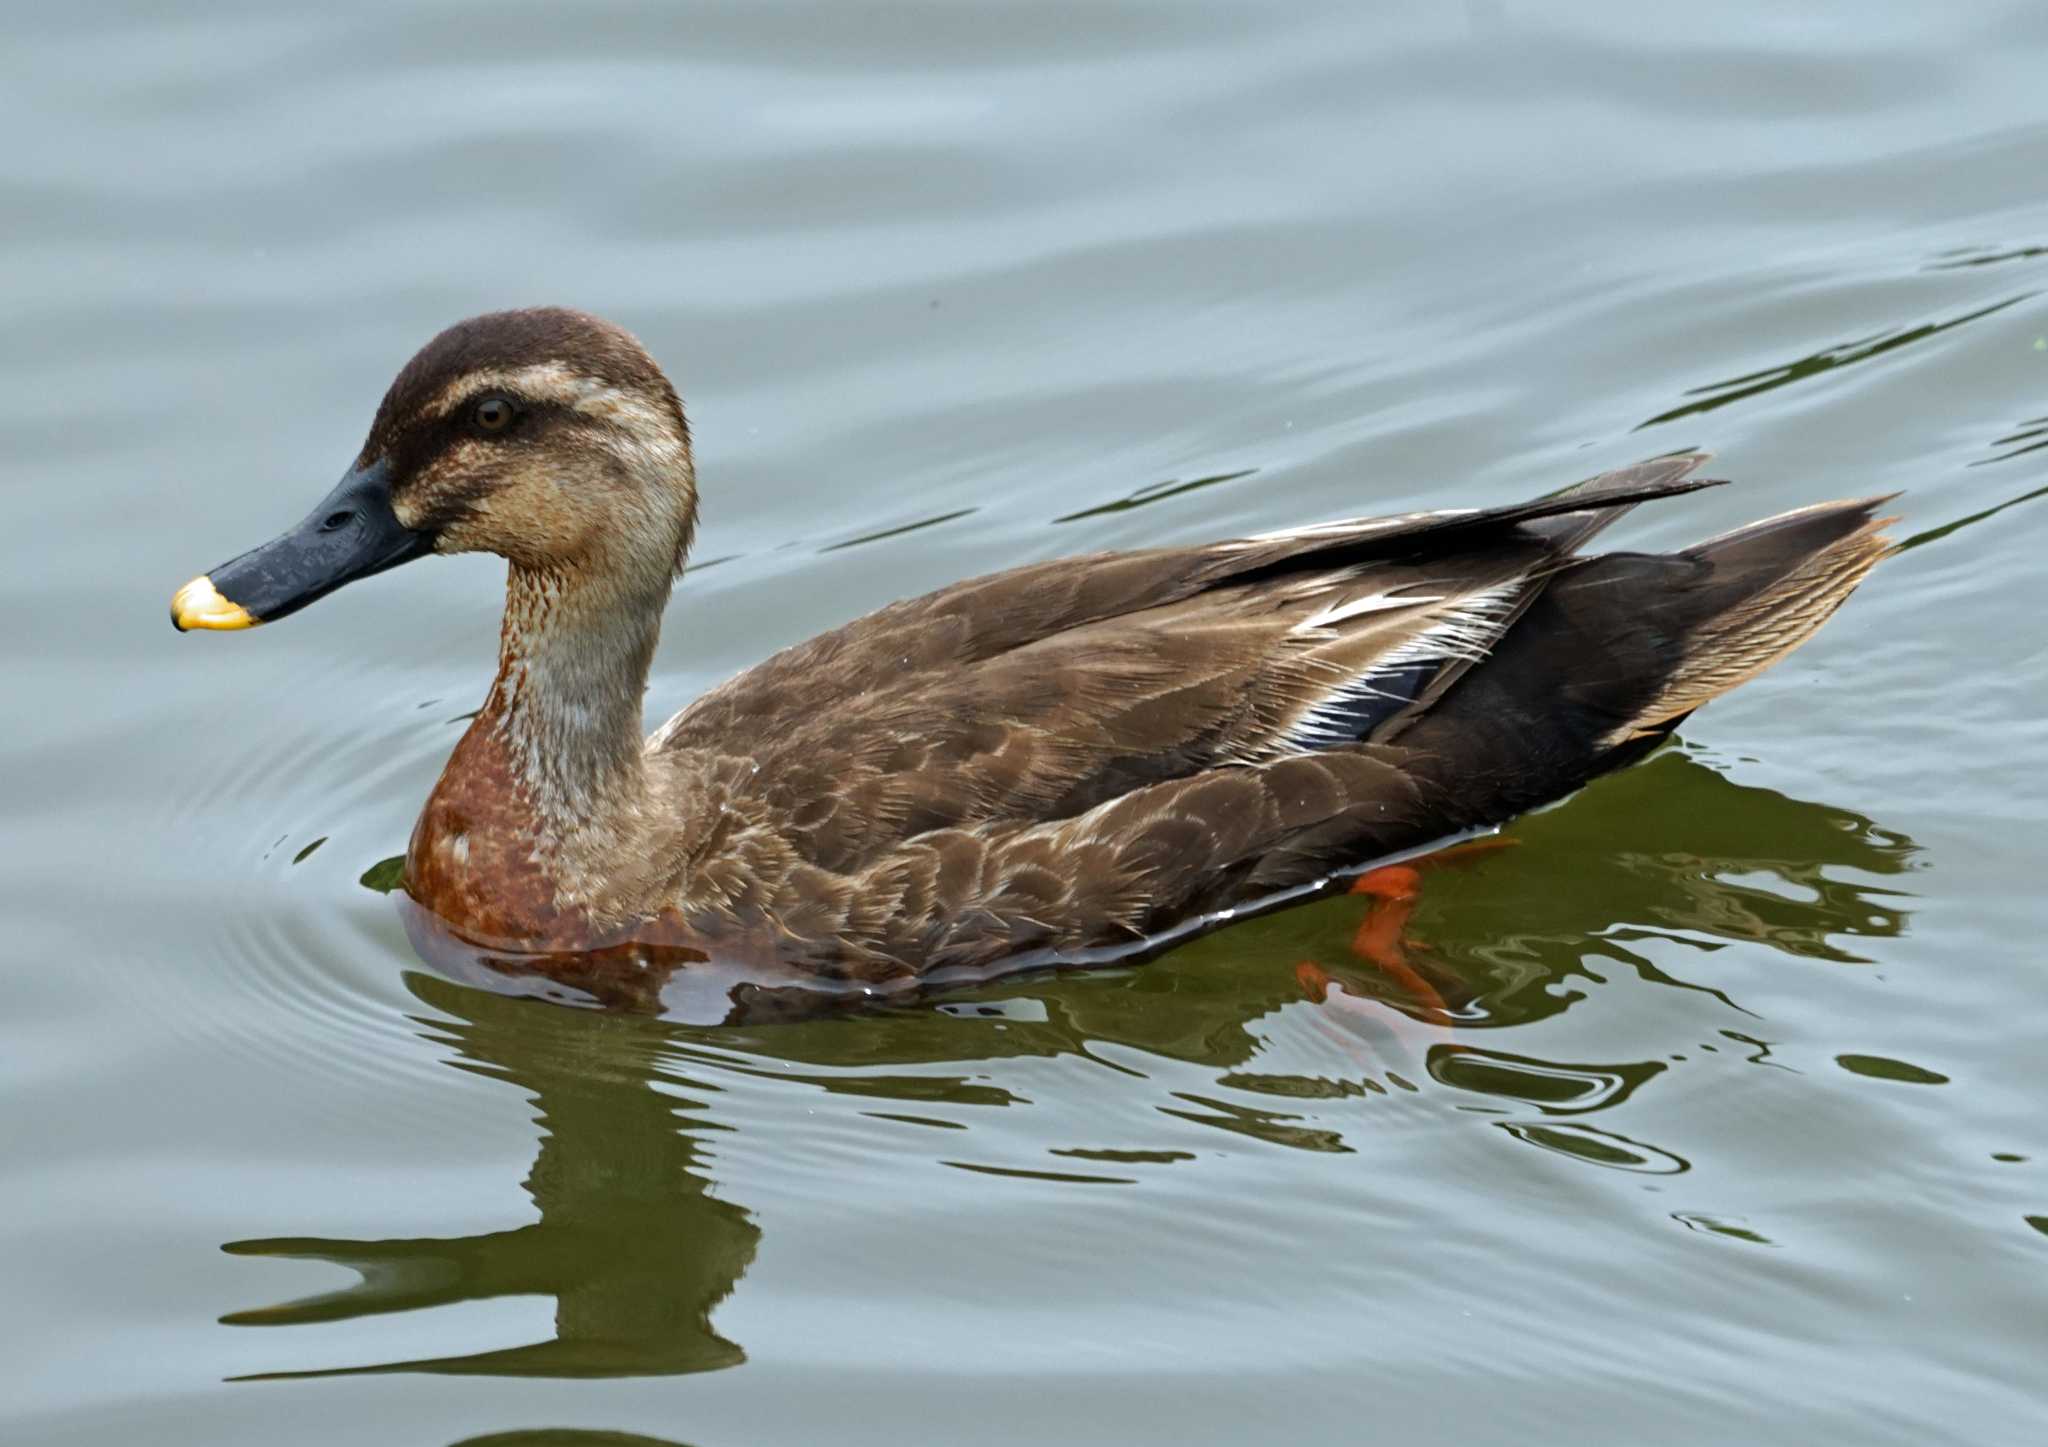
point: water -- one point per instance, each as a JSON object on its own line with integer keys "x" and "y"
{"x": 1737, "y": 1133}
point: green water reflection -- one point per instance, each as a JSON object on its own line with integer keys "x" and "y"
{"x": 637, "y": 1250}
{"x": 630, "y": 1244}
{"x": 1844, "y": 354}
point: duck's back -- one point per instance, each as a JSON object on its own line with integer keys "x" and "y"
{"x": 1081, "y": 752}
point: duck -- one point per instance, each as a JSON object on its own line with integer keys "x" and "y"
{"x": 1054, "y": 763}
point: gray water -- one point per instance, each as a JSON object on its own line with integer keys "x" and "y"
{"x": 1738, "y": 1136}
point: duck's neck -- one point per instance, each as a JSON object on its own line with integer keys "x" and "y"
{"x": 542, "y": 797}
{"x": 573, "y": 656}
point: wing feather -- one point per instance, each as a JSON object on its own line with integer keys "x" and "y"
{"x": 1044, "y": 692}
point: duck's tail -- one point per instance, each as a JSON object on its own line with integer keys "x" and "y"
{"x": 1770, "y": 585}
{"x": 1621, "y": 647}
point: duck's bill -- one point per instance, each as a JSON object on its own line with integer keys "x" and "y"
{"x": 351, "y": 534}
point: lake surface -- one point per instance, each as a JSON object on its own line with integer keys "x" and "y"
{"x": 1738, "y": 1134}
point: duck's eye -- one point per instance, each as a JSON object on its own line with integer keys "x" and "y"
{"x": 494, "y": 414}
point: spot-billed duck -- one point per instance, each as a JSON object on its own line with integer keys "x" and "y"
{"x": 1053, "y": 762}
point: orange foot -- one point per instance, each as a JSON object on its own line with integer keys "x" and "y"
{"x": 1382, "y": 940}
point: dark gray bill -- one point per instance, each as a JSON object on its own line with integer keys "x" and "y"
{"x": 351, "y": 534}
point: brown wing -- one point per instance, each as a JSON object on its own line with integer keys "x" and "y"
{"x": 1604, "y": 661}
{"x": 1038, "y": 694}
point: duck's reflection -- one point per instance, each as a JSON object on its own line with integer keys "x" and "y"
{"x": 1666, "y": 863}
{"x": 630, "y": 1244}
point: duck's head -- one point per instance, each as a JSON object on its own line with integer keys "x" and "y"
{"x": 546, "y": 436}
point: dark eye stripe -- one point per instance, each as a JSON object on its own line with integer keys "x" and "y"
{"x": 415, "y": 449}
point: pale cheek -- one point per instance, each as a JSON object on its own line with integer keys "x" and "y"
{"x": 470, "y": 535}
{"x": 527, "y": 516}
{"x": 558, "y": 521}
{"x": 502, "y": 521}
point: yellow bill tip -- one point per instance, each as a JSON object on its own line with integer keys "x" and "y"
{"x": 199, "y": 605}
